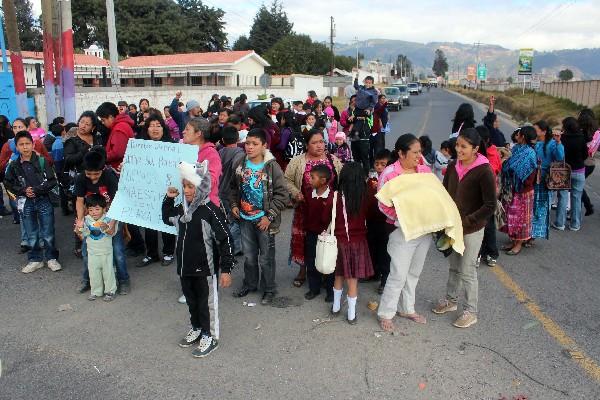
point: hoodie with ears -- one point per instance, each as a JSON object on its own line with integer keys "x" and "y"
{"x": 275, "y": 195}
{"x": 200, "y": 225}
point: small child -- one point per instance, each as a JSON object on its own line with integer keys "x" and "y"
{"x": 231, "y": 154}
{"x": 309, "y": 123}
{"x": 258, "y": 195}
{"x": 378, "y": 230}
{"x": 340, "y": 148}
{"x": 98, "y": 240}
{"x": 442, "y": 157}
{"x": 316, "y": 220}
{"x": 331, "y": 125}
{"x": 353, "y": 261}
{"x": 199, "y": 223}
{"x": 428, "y": 154}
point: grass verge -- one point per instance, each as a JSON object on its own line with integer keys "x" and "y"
{"x": 528, "y": 107}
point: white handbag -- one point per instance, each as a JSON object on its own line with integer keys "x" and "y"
{"x": 327, "y": 248}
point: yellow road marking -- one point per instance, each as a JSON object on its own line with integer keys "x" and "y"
{"x": 588, "y": 364}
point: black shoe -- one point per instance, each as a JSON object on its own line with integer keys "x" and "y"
{"x": 167, "y": 260}
{"x": 353, "y": 321}
{"x": 24, "y": 249}
{"x": 124, "y": 288}
{"x": 589, "y": 211}
{"x": 309, "y": 295}
{"x": 380, "y": 288}
{"x": 146, "y": 261}
{"x": 329, "y": 298}
{"x": 243, "y": 292}
{"x": 267, "y": 298}
{"x": 334, "y": 314}
{"x": 85, "y": 286}
{"x": 131, "y": 252}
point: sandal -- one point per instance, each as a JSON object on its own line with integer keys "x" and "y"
{"x": 508, "y": 247}
{"x": 299, "y": 281}
{"x": 419, "y": 319}
{"x": 529, "y": 244}
{"x": 386, "y": 324}
{"x": 511, "y": 252}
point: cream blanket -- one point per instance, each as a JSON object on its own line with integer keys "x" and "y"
{"x": 423, "y": 206}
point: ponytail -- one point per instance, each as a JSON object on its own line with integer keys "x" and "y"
{"x": 543, "y": 125}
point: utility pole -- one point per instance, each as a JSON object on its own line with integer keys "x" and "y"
{"x": 49, "y": 89}
{"x": 331, "y": 36}
{"x": 68, "y": 61}
{"x": 16, "y": 59}
{"x": 112, "y": 42}
{"x": 357, "y": 63}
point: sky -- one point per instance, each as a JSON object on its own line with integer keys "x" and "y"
{"x": 542, "y": 25}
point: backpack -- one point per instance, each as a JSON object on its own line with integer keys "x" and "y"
{"x": 295, "y": 146}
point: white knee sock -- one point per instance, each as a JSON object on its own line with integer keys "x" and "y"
{"x": 352, "y": 307}
{"x": 337, "y": 299}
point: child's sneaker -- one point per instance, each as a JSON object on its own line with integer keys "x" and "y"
{"x": 207, "y": 345}
{"x": 32, "y": 266}
{"x": 444, "y": 306}
{"x": 109, "y": 297}
{"x": 54, "y": 265}
{"x": 193, "y": 336}
{"x": 93, "y": 297}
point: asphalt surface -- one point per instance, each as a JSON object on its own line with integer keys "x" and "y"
{"x": 128, "y": 349}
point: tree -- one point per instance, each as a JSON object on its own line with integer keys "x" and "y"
{"x": 30, "y": 32}
{"x": 269, "y": 26}
{"x": 565, "y": 75}
{"x": 300, "y": 55}
{"x": 510, "y": 80}
{"x": 440, "y": 63}
{"x": 403, "y": 65}
{"x": 148, "y": 27}
{"x": 345, "y": 62}
{"x": 242, "y": 43}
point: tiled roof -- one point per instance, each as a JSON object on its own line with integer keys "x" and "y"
{"x": 167, "y": 60}
{"x": 80, "y": 59}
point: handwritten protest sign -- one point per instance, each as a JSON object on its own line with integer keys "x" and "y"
{"x": 149, "y": 167}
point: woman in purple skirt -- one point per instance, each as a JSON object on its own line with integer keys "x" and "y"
{"x": 353, "y": 260}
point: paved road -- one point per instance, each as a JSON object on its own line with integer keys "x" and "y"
{"x": 531, "y": 309}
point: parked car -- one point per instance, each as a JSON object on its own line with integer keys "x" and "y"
{"x": 413, "y": 88}
{"x": 405, "y": 95}
{"x": 433, "y": 82}
{"x": 394, "y": 97}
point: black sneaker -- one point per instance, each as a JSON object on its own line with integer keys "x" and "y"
{"x": 310, "y": 295}
{"x": 124, "y": 288}
{"x": 145, "y": 262}
{"x": 84, "y": 287}
{"x": 329, "y": 298}
{"x": 192, "y": 337}
{"x": 207, "y": 345}
{"x": 167, "y": 260}
{"x": 267, "y": 298}
{"x": 243, "y": 292}
{"x": 24, "y": 249}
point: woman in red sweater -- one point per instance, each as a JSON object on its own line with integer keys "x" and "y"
{"x": 470, "y": 182}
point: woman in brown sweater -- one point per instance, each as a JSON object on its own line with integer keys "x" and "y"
{"x": 470, "y": 182}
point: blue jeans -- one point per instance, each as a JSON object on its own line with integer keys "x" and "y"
{"x": 119, "y": 258}
{"x": 577, "y": 184}
{"x": 38, "y": 223}
{"x": 259, "y": 249}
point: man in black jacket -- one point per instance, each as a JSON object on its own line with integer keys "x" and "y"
{"x": 30, "y": 178}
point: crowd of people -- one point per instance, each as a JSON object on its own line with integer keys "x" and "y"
{"x": 331, "y": 167}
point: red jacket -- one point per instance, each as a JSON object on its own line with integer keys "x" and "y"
{"x": 495, "y": 161}
{"x": 120, "y": 133}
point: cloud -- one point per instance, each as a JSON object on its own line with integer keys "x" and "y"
{"x": 543, "y": 25}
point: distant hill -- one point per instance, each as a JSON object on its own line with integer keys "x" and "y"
{"x": 501, "y": 62}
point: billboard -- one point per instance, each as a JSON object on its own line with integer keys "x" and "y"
{"x": 525, "y": 61}
{"x": 471, "y": 72}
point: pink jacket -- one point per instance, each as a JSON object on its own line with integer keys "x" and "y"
{"x": 390, "y": 173}
{"x": 210, "y": 153}
{"x": 332, "y": 131}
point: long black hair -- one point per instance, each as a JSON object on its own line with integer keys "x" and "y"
{"x": 570, "y": 126}
{"x": 353, "y": 186}
{"x": 166, "y": 136}
{"x": 464, "y": 116}
{"x": 484, "y": 134}
{"x": 528, "y": 133}
{"x": 587, "y": 123}
{"x": 543, "y": 125}
{"x": 403, "y": 145}
{"x": 474, "y": 139}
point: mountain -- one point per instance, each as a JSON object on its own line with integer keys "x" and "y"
{"x": 501, "y": 62}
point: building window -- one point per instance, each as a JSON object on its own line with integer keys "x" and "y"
{"x": 158, "y": 81}
{"x": 196, "y": 81}
{"x": 88, "y": 82}
{"x": 138, "y": 82}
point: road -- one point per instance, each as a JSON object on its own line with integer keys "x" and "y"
{"x": 532, "y": 309}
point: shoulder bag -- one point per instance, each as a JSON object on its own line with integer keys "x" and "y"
{"x": 559, "y": 176}
{"x": 327, "y": 248}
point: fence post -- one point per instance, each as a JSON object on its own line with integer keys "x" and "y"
{"x": 151, "y": 77}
